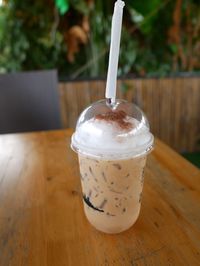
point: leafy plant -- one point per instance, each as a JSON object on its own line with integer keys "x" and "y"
{"x": 27, "y": 39}
{"x": 158, "y": 37}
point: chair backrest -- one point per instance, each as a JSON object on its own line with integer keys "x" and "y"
{"x": 29, "y": 102}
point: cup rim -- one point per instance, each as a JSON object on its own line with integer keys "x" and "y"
{"x": 101, "y": 154}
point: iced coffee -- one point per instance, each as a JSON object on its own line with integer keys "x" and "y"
{"x": 112, "y": 144}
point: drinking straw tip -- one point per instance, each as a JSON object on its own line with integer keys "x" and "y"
{"x": 120, "y": 3}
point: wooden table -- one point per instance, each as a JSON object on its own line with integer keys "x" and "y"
{"x": 42, "y": 220}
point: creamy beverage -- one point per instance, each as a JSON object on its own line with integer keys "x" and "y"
{"x": 112, "y": 156}
{"x": 112, "y": 191}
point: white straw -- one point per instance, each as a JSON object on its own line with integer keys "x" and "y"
{"x": 114, "y": 50}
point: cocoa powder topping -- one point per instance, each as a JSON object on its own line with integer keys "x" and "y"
{"x": 115, "y": 116}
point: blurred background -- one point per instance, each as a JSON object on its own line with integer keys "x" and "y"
{"x": 159, "y": 62}
{"x": 159, "y": 37}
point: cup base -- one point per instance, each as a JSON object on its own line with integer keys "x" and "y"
{"x": 113, "y": 225}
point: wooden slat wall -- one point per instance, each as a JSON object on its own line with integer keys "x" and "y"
{"x": 172, "y": 106}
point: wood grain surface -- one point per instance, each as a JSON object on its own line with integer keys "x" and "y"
{"x": 42, "y": 221}
{"x": 171, "y": 105}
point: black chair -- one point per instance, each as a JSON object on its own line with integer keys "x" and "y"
{"x": 29, "y": 101}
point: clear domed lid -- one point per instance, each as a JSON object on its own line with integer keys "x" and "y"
{"x": 118, "y": 130}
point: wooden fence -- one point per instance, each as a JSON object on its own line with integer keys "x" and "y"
{"x": 172, "y": 105}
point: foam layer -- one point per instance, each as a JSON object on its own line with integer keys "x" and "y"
{"x": 107, "y": 137}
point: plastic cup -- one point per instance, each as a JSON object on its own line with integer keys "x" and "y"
{"x": 112, "y": 142}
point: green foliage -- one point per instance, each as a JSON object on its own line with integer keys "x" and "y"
{"x": 27, "y": 40}
{"x": 127, "y": 60}
{"x": 62, "y": 5}
{"x": 142, "y": 8}
{"x": 12, "y": 53}
{"x": 33, "y": 35}
{"x": 80, "y": 6}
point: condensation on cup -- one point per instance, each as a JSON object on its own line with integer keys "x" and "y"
{"x": 112, "y": 142}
